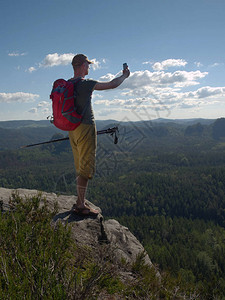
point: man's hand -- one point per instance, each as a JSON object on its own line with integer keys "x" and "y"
{"x": 126, "y": 72}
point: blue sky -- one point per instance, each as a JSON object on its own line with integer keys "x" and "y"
{"x": 175, "y": 50}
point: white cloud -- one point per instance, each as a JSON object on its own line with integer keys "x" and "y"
{"x": 216, "y": 65}
{"x": 42, "y": 107}
{"x": 56, "y": 59}
{"x": 31, "y": 69}
{"x": 46, "y": 111}
{"x": 141, "y": 105}
{"x": 107, "y": 77}
{"x": 166, "y": 99}
{"x": 147, "y": 63}
{"x": 97, "y": 63}
{"x": 33, "y": 110}
{"x": 105, "y": 102}
{"x": 107, "y": 112}
{"x": 13, "y": 54}
{"x": 207, "y": 91}
{"x": 157, "y": 90}
{"x": 158, "y": 66}
{"x": 198, "y": 64}
{"x": 17, "y": 97}
{"x": 145, "y": 80}
{"x": 95, "y": 97}
{"x": 181, "y": 77}
{"x": 44, "y": 104}
{"x": 17, "y": 54}
{"x": 150, "y": 92}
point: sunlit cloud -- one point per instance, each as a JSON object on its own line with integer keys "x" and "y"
{"x": 147, "y": 63}
{"x": 207, "y": 91}
{"x": 216, "y": 65}
{"x": 166, "y": 99}
{"x": 31, "y": 69}
{"x": 168, "y": 63}
{"x": 42, "y": 107}
{"x": 15, "y": 54}
{"x": 140, "y": 79}
{"x": 33, "y": 110}
{"x": 46, "y": 111}
{"x": 161, "y": 90}
{"x": 198, "y": 64}
{"x": 107, "y": 77}
{"x": 44, "y": 104}
{"x": 55, "y": 59}
{"x": 108, "y": 111}
{"x": 97, "y": 64}
{"x": 19, "y": 97}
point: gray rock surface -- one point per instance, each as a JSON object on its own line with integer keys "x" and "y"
{"x": 89, "y": 231}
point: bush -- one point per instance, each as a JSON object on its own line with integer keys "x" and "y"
{"x": 41, "y": 261}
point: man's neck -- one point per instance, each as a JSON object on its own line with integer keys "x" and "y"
{"x": 78, "y": 74}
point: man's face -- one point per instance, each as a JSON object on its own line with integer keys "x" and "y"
{"x": 86, "y": 67}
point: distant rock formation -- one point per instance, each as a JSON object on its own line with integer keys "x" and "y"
{"x": 194, "y": 130}
{"x": 218, "y": 129}
{"x": 90, "y": 231}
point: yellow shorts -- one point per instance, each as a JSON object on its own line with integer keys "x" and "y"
{"x": 83, "y": 141}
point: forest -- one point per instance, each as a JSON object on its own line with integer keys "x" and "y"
{"x": 164, "y": 180}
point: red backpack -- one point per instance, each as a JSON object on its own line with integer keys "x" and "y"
{"x": 63, "y": 95}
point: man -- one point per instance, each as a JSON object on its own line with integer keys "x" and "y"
{"x": 83, "y": 139}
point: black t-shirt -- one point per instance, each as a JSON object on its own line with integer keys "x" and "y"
{"x": 84, "y": 90}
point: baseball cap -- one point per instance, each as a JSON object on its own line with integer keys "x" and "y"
{"x": 79, "y": 59}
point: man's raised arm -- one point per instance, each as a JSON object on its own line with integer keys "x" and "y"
{"x": 113, "y": 83}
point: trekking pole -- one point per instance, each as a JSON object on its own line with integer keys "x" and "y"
{"x": 111, "y": 131}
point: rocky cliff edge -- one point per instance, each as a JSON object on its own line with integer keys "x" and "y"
{"x": 88, "y": 231}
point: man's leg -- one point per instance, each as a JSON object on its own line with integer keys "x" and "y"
{"x": 82, "y": 184}
{"x": 84, "y": 150}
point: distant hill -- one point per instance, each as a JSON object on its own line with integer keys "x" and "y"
{"x": 17, "y": 137}
{"x": 23, "y": 123}
{"x": 186, "y": 121}
{"x": 14, "y": 134}
{"x": 17, "y": 124}
{"x": 218, "y": 129}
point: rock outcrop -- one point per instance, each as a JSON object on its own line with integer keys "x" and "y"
{"x": 89, "y": 231}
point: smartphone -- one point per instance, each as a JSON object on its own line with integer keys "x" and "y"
{"x": 124, "y": 66}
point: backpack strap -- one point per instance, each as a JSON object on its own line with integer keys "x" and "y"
{"x": 75, "y": 82}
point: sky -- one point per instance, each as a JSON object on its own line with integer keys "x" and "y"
{"x": 175, "y": 50}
